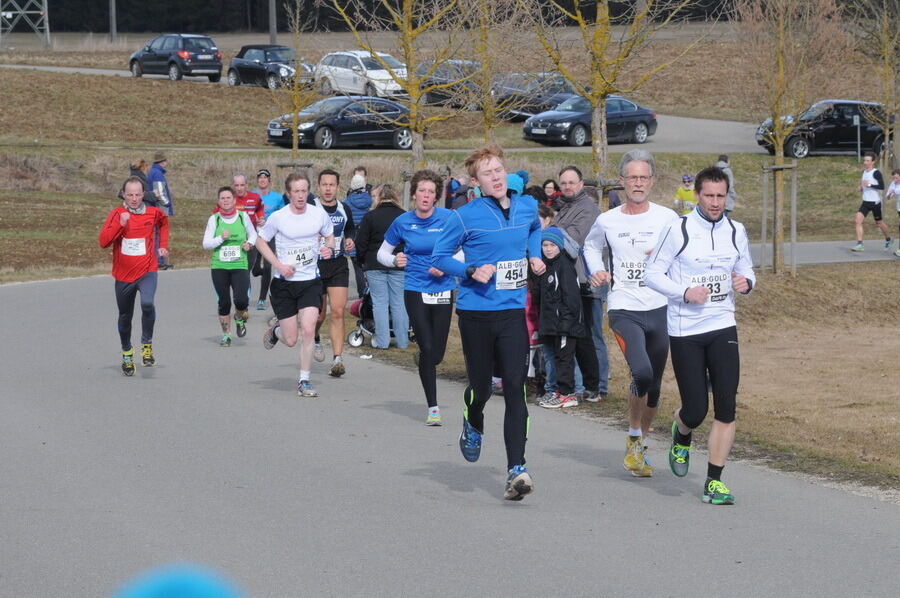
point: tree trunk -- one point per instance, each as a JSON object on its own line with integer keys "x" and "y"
{"x": 778, "y": 213}
{"x": 418, "y": 150}
{"x": 295, "y": 130}
{"x": 599, "y": 150}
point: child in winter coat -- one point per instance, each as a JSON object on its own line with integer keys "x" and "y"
{"x": 562, "y": 324}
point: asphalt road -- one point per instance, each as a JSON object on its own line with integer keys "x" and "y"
{"x": 675, "y": 134}
{"x": 211, "y": 458}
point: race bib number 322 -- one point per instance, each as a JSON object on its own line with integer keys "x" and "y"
{"x": 511, "y": 274}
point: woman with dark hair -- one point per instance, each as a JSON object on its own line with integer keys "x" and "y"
{"x": 385, "y": 282}
{"x": 537, "y": 193}
{"x": 427, "y": 291}
{"x": 229, "y": 236}
{"x": 551, "y": 190}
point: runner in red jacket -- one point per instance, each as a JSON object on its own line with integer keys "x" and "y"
{"x": 129, "y": 230}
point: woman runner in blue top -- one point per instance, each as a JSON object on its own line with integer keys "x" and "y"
{"x": 427, "y": 292}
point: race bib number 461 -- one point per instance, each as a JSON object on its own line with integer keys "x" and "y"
{"x": 511, "y": 274}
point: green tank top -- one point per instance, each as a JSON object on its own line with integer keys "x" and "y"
{"x": 230, "y": 255}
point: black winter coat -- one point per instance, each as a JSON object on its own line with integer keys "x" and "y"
{"x": 370, "y": 234}
{"x": 560, "y": 299}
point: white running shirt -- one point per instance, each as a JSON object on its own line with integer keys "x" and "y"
{"x": 868, "y": 193}
{"x": 297, "y": 239}
{"x": 630, "y": 238}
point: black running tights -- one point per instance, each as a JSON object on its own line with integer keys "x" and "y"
{"x": 231, "y": 282}
{"x": 126, "y": 292}
{"x": 431, "y": 324}
{"x": 692, "y": 356}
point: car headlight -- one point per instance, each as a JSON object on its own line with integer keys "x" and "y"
{"x": 563, "y": 125}
{"x": 284, "y": 72}
{"x": 274, "y": 124}
{"x": 304, "y": 126}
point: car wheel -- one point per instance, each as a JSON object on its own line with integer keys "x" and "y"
{"x": 174, "y": 72}
{"x": 324, "y": 138}
{"x": 640, "y": 133}
{"x": 798, "y": 147}
{"x": 325, "y": 87}
{"x": 402, "y": 139}
{"x": 577, "y": 136}
{"x": 355, "y": 339}
{"x": 233, "y": 78}
{"x": 136, "y": 70}
{"x": 214, "y": 78}
{"x": 272, "y": 81}
{"x": 370, "y": 90}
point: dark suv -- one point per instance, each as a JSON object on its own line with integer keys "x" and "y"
{"x": 452, "y": 82}
{"x": 176, "y": 55}
{"x": 520, "y": 95}
{"x": 828, "y": 126}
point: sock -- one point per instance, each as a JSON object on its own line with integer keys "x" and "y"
{"x": 275, "y": 332}
{"x": 634, "y": 432}
{"x": 496, "y": 380}
{"x": 317, "y": 339}
{"x": 304, "y": 375}
{"x": 682, "y": 439}
{"x": 714, "y": 471}
{"x": 434, "y": 410}
{"x": 338, "y": 358}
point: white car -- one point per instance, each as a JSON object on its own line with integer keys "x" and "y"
{"x": 357, "y": 72}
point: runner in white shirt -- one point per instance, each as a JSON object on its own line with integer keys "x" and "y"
{"x": 637, "y": 314}
{"x": 699, "y": 262}
{"x": 894, "y": 191}
{"x": 871, "y": 184}
{"x": 296, "y": 291}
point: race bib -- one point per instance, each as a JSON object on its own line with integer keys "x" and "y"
{"x": 229, "y": 253}
{"x": 511, "y": 274}
{"x": 301, "y": 256}
{"x": 631, "y": 274}
{"x": 442, "y": 298}
{"x": 338, "y": 245}
{"x": 134, "y": 247}
{"x": 718, "y": 283}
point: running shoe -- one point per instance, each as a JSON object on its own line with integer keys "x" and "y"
{"x": 434, "y": 418}
{"x": 270, "y": 339}
{"x": 497, "y": 387}
{"x": 593, "y": 396}
{"x": 128, "y": 362}
{"x": 147, "y": 359}
{"x": 645, "y": 470}
{"x": 337, "y": 367}
{"x": 888, "y": 243}
{"x": 679, "y": 455}
{"x": 305, "y": 389}
{"x": 470, "y": 442}
{"x": 225, "y": 341}
{"x": 897, "y": 253}
{"x": 560, "y": 401}
{"x": 717, "y": 493}
{"x": 261, "y": 305}
{"x": 318, "y": 352}
{"x": 241, "y": 326}
{"x": 634, "y": 453}
{"x": 518, "y": 483}
{"x": 858, "y": 247}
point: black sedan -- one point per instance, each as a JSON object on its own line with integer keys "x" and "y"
{"x": 570, "y": 122}
{"x": 520, "y": 95}
{"x": 346, "y": 121}
{"x": 269, "y": 66}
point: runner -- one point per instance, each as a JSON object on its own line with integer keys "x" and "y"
{"x": 271, "y": 201}
{"x": 427, "y": 291}
{"x": 871, "y": 185}
{"x": 334, "y": 270}
{"x": 296, "y": 288}
{"x": 637, "y": 314}
{"x": 698, "y": 264}
{"x": 129, "y": 228}
{"x": 894, "y": 191}
{"x": 229, "y": 235}
{"x": 500, "y": 234}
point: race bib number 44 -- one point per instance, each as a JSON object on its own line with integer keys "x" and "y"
{"x": 718, "y": 283}
{"x": 229, "y": 253}
{"x": 511, "y": 274}
{"x": 134, "y": 247}
{"x": 302, "y": 256}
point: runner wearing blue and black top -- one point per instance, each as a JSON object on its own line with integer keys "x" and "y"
{"x": 500, "y": 234}
{"x": 427, "y": 291}
{"x": 699, "y": 263}
{"x": 271, "y": 200}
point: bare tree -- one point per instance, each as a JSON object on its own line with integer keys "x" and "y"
{"x": 424, "y": 29}
{"x": 875, "y": 26}
{"x": 608, "y": 45}
{"x": 792, "y": 49}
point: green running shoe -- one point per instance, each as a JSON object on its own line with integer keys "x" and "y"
{"x": 679, "y": 455}
{"x": 128, "y": 362}
{"x": 717, "y": 493}
{"x": 225, "y": 341}
{"x": 241, "y": 326}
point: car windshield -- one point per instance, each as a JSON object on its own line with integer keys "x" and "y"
{"x": 325, "y": 106}
{"x": 198, "y": 43}
{"x": 372, "y": 64}
{"x": 576, "y": 104}
{"x": 815, "y": 111}
{"x": 281, "y": 55}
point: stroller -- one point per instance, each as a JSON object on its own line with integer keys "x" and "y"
{"x": 365, "y": 324}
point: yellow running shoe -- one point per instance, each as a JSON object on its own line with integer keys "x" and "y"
{"x": 147, "y": 359}
{"x": 634, "y": 453}
{"x": 645, "y": 470}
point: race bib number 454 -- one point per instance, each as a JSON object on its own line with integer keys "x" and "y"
{"x": 511, "y": 274}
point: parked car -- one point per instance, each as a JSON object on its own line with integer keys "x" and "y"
{"x": 570, "y": 122}
{"x": 358, "y": 72}
{"x": 269, "y": 66}
{"x": 520, "y": 95}
{"x": 456, "y": 90}
{"x": 345, "y": 121}
{"x": 176, "y": 55}
{"x": 828, "y": 126}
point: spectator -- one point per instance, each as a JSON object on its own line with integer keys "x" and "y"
{"x": 732, "y": 194}
{"x": 159, "y": 185}
{"x": 685, "y": 201}
{"x": 546, "y": 214}
{"x": 537, "y": 193}
{"x": 385, "y": 284}
{"x": 614, "y": 200}
{"x": 358, "y": 202}
{"x": 139, "y": 169}
{"x": 551, "y": 189}
{"x": 458, "y": 185}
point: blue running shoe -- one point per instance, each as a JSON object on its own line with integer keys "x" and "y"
{"x": 518, "y": 483}
{"x": 470, "y": 442}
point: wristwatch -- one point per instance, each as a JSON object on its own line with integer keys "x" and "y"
{"x": 470, "y": 271}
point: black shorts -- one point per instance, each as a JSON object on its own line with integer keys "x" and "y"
{"x": 334, "y": 273}
{"x": 870, "y": 206}
{"x": 289, "y": 297}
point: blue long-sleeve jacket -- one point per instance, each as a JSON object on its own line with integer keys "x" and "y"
{"x": 156, "y": 175}
{"x": 486, "y": 236}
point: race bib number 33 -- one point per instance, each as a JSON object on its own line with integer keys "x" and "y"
{"x": 718, "y": 283}
{"x": 511, "y": 274}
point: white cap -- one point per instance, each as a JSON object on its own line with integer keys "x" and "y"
{"x": 358, "y": 181}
